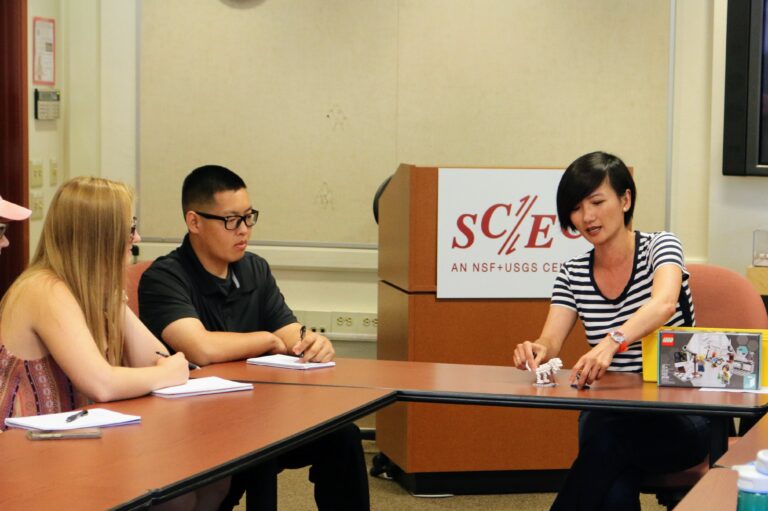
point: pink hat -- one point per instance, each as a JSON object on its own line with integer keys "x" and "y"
{"x": 12, "y": 211}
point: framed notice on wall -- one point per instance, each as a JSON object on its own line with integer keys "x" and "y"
{"x": 44, "y": 51}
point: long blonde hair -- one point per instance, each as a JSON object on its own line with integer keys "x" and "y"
{"x": 84, "y": 241}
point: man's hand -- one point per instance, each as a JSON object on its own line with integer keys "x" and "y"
{"x": 279, "y": 347}
{"x": 314, "y": 348}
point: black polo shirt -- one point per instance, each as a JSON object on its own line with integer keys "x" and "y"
{"x": 177, "y": 286}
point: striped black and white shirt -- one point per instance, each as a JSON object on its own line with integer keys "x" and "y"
{"x": 576, "y": 289}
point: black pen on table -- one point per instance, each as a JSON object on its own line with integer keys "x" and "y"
{"x": 192, "y": 366}
{"x": 75, "y": 416}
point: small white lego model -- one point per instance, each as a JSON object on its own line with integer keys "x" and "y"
{"x": 545, "y": 373}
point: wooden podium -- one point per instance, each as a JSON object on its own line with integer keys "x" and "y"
{"x": 445, "y": 448}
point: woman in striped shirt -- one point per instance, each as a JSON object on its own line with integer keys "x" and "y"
{"x": 628, "y": 285}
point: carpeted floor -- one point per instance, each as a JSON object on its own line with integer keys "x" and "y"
{"x": 295, "y": 494}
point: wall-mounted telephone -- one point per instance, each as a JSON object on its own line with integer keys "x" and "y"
{"x": 47, "y": 104}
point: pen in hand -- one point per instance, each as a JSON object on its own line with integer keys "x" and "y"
{"x": 302, "y": 333}
{"x": 75, "y": 416}
{"x": 192, "y": 366}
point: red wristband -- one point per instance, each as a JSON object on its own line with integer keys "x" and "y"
{"x": 619, "y": 339}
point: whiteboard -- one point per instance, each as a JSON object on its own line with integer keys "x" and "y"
{"x": 314, "y": 103}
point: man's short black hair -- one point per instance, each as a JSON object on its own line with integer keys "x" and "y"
{"x": 584, "y": 176}
{"x": 204, "y": 182}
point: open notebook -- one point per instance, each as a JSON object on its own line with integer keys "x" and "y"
{"x": 96, "y": 417}
{"x": 201, "y": 386}
{"x": 287, "y": 362}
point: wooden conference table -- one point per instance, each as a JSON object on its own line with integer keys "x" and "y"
{"x": 180, "y": 444}
{"x": 184, "y": 443}
{"x": 505, "y": 386}
{"x": 717, "y": 489}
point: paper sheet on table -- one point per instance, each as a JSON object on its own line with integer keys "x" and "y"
{"x": 761, "y": 390}
{"x": 97, "y": 417}
{"x": 202, "y": 386}
{"x": 287, "y": 362}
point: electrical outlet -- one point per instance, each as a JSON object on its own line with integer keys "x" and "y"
{"x": 369, "y": 322}
{"x": 53, "y": 171}
{"x": 354, "y": 322}
{"x": 36, "y": 205}
{"x": 35, "y": 174}
{"x": 318, "y": 321}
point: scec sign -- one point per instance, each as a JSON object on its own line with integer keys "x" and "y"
{"x": 540, "y": 234}
{"x": 498, "y": 235}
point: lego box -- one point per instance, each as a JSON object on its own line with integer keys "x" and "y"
{"x": 717, "y": 359}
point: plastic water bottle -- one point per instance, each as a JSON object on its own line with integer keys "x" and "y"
{"x": 753, "y": 484}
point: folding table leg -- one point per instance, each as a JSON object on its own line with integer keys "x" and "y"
{"x": 720, "y": 426}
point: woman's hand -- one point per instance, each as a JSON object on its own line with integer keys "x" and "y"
{"x": 559, "y": 322}
{"x": 177, "y": 368}
{"x": 528, "y": 355}
{"x": 593, "y": 364}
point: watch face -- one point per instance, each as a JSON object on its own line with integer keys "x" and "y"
{"x": 617, "y": 336}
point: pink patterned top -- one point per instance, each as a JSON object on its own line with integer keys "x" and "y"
{"x": 34, "y": 387}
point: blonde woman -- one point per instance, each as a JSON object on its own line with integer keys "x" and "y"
{"x": 66, "y": 334}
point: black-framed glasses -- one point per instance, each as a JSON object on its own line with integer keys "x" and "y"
{"x": 3, "y": 228}
{"x": 134, "y": 223}
{"x": 232, "y": 222}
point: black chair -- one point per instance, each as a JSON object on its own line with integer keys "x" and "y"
{"x": 377, "y": 196}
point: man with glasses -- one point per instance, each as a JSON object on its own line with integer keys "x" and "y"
{"x": 216, "y": 302}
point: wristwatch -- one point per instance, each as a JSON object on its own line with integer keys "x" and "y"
{"x": 619, "y": 338}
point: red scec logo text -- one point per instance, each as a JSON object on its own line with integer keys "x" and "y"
{"x": 539, "y": 235}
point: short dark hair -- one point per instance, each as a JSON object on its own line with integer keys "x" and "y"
{"x": 204, "y": 182}
{"x": 584, "y": 176}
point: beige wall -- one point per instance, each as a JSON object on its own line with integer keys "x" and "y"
{"x": 81, "y": 38}
{"x": 690, "y": 141}
{"x": 314, "y": 103}
{"x": 96, "y": 74}
{"x": 46, "y": 138}
{"x": 118, "y": 89}
{"x": 299, "y": 97}
{"x": 353, "y": 88}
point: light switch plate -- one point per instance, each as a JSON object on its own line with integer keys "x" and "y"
{"x": 36, "y": 205}
{"x": 53, "y": 172}
{"x": 35, "y": 173}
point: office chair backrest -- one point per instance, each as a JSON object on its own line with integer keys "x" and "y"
{"x": 135, "y": 271}
{"x": 724, "y": 299}
{"x": 377, "y": 196}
